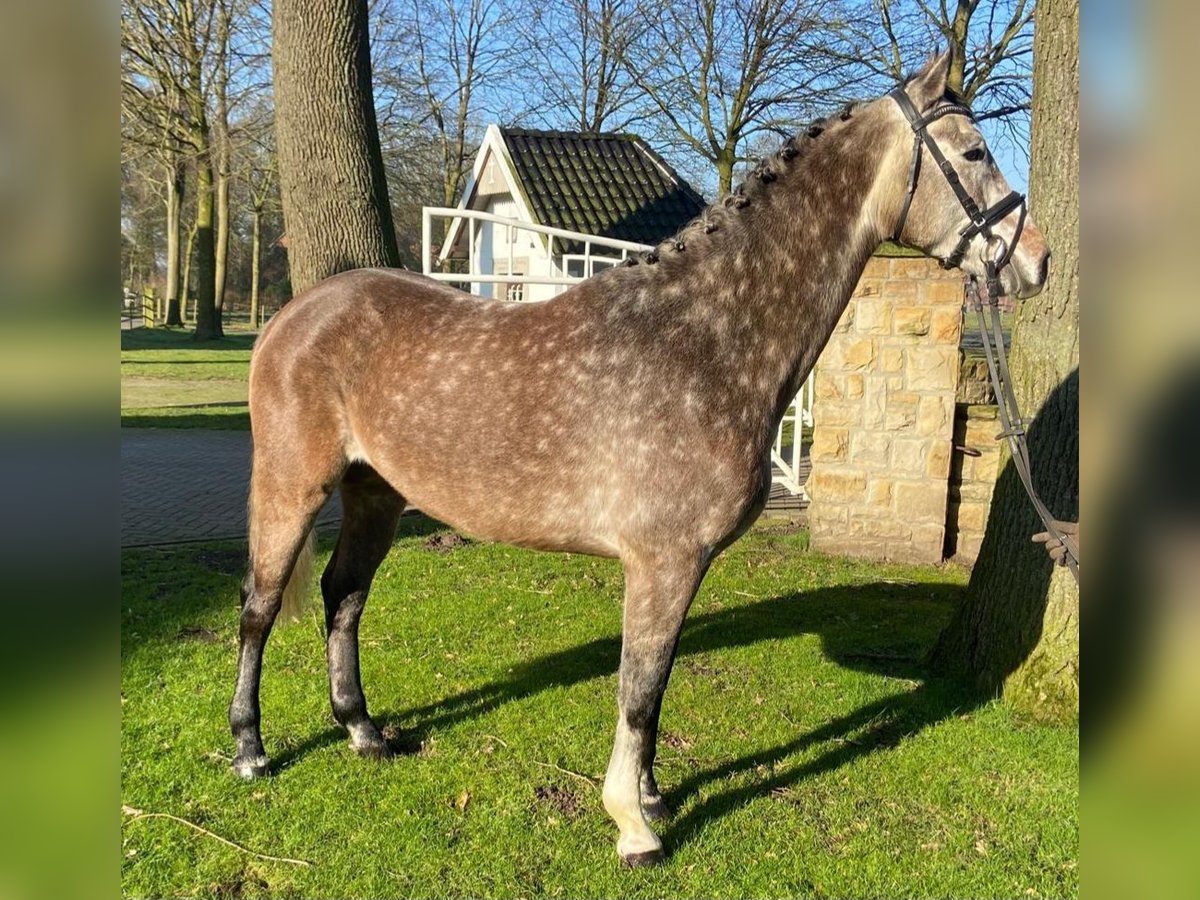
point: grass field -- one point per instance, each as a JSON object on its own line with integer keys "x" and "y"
{"x": 803, "y": 748}
{"x": 170, "y": 381}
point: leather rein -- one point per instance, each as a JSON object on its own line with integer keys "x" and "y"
{"x": 997, "y": 254}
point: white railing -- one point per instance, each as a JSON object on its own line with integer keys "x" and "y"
{"x": 512, "y": 227}
{"x": 797, "y": 419}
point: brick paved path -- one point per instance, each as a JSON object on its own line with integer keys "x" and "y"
{"x": 188, "y": 484}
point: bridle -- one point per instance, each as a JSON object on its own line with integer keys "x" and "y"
{"x": 997, "y": 254}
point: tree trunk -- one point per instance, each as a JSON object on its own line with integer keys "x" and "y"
{"x": 1018, "y": 629}
{"x": 185, "y": 286}
{"x": 208, "y": 319}
{"x": 255, "y": 253}
{"x": 959, "y": 27}
{"x": 335, "y": 201}
{"x": 725, "y": 162}
{"x": 221, "y": 85}
{"x": 221, "y": 253}
{"x": 174, "y": 213}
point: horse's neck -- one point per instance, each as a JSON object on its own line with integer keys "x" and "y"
{"x": 773, "y": 286}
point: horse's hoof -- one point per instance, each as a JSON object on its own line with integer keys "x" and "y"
{"x": 252, "y": 768}
{"x": 377, "y": 749}
{"x": 655, "y": 809}
{"x": 643, "y": 860}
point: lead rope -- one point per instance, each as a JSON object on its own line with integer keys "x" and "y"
{"x": 1011, "y": 423}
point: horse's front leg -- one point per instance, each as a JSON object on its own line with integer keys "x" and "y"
{"x": 658, "y": 591}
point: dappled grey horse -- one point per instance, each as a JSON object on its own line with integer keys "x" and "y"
{"x": 631, "y": 416}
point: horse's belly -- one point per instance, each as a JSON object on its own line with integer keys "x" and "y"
{"x": 545, "y": 512}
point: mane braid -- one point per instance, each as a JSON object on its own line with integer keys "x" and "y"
{"x": 724, "y": 210}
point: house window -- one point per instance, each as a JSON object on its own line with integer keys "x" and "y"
{"x": 576, "y": 265}
{"x": 514, "y": 292}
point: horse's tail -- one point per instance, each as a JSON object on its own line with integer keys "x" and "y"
{"x": 299, "y": 584}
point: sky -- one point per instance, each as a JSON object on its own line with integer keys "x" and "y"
{"x": 1011, "y": 154}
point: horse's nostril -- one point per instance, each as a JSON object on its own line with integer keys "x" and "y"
{"x": 1044, "y": 271}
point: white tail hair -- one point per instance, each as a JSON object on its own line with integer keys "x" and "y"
{"x": 299, "y": 586}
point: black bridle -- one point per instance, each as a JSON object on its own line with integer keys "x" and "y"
{"x": 997, "y": 254}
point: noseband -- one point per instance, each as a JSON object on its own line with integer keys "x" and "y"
{"x": 998, "y": 254}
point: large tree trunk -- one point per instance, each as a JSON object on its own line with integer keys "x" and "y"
{"x": 174, "y": 214}
{"x": 1018, "y": 629}
{"x": 331, "y": 177}
{"x": 208, "y": 320}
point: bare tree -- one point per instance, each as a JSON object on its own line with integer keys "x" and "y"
{"x": 153, "y": 156}
{"x": 259, "y": 171}
{"x": 578, "y": 47}
{"x": 224, "y": 151}
{"x": 720, "y": 72}
{"x": 443, "y": 60}
{"x": 990, "y": 43}
{"x": 165, "y": 45}
{"x": 143, "y": 219}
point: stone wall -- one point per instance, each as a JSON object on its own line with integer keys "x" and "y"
{"x": 974, "y": 467}
{"x": 883, "y": 410}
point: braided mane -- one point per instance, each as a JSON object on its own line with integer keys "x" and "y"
{"x": 723, "y": 213}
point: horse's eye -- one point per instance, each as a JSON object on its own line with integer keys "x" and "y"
{"x": 975, "y": 155}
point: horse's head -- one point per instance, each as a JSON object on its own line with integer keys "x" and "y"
{"x": 976, "y": 223}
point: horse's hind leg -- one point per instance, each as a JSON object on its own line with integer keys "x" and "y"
{"x": 371, "y": 509}
{"x": 287, "y": 491}
{"x": 658, "y": 591}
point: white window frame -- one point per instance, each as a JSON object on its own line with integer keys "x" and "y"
{"x": 588, "y": 262}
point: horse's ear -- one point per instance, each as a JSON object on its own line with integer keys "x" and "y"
{"x": 928, "y": 86}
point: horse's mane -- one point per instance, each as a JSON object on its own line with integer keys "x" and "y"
{"x": 723, "y": 213}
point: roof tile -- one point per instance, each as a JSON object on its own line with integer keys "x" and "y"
{"x": 610, "y": 185}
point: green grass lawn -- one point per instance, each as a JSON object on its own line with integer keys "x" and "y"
{"x": 803, "y": 748}
{"x": 169, "y": 380}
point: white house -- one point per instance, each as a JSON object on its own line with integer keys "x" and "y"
{"x": 602, "y": 185}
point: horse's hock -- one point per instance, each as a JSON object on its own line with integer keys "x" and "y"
{"x": 884, "y": 412}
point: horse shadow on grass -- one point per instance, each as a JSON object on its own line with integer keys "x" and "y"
{"x": 882, "y": 628}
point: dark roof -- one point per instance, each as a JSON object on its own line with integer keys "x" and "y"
{"x": 610, "y": 185}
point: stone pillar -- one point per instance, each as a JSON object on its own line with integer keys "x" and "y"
{"x": 883, "y": 411}
{"x": 973, "y": 471}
